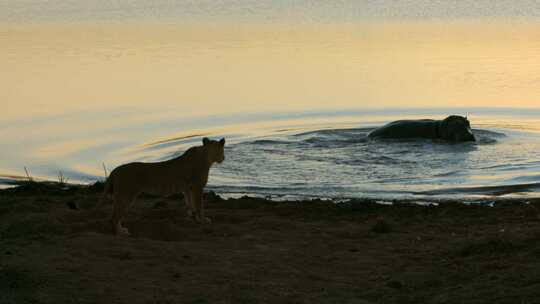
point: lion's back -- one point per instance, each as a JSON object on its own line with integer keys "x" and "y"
{"x": 130, "y": 177}
{"x": 166, "y": 177}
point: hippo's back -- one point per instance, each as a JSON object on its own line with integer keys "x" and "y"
{"x": 422, "y": 128}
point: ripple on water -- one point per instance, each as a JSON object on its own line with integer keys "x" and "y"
{"x": 334, "y": 162}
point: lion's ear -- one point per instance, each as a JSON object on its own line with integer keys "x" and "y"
{"x": 205, "y": 141}
{"x": 222, "y": 142}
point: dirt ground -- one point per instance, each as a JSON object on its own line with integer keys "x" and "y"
{"x": 57, "y": 247}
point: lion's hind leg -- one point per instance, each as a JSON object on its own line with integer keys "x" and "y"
{"x": 121, "y": 204}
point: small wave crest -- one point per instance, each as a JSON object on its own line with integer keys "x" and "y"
{"x": 485, "y": 190}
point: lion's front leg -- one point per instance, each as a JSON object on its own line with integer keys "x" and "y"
{"x": 189, "y": 203}
{"x": 197, "y": 194}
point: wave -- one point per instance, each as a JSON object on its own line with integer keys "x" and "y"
{"x": 485, "y": 190}
{"x": 338, "y": 137}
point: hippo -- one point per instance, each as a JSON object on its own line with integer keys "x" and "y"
{"x": 453, "y": 128}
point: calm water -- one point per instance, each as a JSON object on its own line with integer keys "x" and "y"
{"x": 314, "y": 154}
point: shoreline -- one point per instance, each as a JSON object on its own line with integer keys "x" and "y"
{"x": 56, "y": 247}
{"x": 39, "y": 186}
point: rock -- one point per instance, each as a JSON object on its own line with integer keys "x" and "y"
{"x": 381, "y": 226}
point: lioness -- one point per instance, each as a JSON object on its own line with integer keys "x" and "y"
{"x": 187, "y": 173}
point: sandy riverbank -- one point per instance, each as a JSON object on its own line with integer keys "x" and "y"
{"x": 56, "y": 247}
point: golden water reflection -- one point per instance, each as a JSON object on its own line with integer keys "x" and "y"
{"x": 201, "y": 70}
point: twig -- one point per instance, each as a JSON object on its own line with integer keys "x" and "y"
{"x": 30, "y": 179}
{"x": 62, "y": 180}
{"x": 105, "y": 171}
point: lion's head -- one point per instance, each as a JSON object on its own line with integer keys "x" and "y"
{"x": 215, "y": 149}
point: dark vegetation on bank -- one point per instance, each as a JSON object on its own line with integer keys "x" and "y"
{"x": 56, "y": 247}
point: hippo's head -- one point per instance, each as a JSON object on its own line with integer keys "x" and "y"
{"x": 456, "y": 128}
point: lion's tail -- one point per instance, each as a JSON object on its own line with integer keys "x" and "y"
{"x": 109, "y": 185}
{"x": 108, "y": 188}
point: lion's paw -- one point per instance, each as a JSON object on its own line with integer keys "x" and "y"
{"x": 204, "y": 220}
{"x": 122, "y": 232}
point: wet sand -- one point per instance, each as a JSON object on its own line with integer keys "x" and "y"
{"x": 56, "y": 247}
